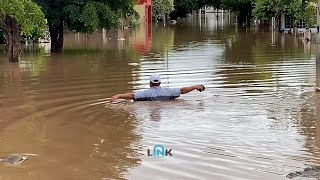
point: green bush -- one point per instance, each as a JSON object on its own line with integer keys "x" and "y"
{"x": 133, "y": 22}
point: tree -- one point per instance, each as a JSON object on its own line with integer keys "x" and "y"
{"x": 297, "y": 9}
{"x": 84, "y": 16}
{"x": 162, "y": 7}
{"x": 19, "y": 17}
{"x": 242, "y": 8}
{"x": 212, "y": 3}
{"x": 265, "y": 9}
{"x": 182, "y": 8}
{"x": 308, "y": 14}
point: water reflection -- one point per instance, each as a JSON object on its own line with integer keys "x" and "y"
{"x": 309, "y": 125}
{"x": 102, "y": 40}
{"x": 257, "y": 118}
{"x": 45, "y": 111}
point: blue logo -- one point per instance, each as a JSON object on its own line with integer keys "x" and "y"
{"x": 159, "y": 152}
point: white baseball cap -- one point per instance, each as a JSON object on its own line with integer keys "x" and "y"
{"x": 155, "y": 78}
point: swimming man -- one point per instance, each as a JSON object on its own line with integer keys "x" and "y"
{"x": 157, "y": 93}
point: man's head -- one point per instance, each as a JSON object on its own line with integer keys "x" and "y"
{"x": 155, "y": 80}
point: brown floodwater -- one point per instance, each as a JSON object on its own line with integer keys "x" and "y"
{"x": 257, "y": 119}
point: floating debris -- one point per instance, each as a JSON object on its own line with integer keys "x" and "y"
{"x": 309, "y": 172}
{"x": 14, "y": 159}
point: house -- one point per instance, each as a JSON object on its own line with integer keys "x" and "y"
{"x": 142, "y": 38}
{"x": 143, "y": 7}
{"x": 287, "y": 24}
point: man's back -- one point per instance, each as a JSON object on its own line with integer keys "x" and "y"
{"x": 157, "y": 93}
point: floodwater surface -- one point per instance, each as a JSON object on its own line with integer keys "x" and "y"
{"x": 257, "y": 119}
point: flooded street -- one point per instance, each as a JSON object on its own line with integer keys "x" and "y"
{"x": 257, "y": 119}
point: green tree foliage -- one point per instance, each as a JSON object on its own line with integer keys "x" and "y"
{"x": 212, "y": 3}
{"x": 182, "y": 8}
{"x": 298, "y": 9}
{"x": 308, "y": 14}
{"x": 20, "y": 17}
{"x": 265, "y": 9}
{"x": 242, "y": 8}
{"x": 83, "y": 16}
{"x": 27, "y": 14}
{"x": 162, "y": 7}
{"x": 236, "y": 5}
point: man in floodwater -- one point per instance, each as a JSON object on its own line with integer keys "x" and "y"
{"x": 157, "y": 93}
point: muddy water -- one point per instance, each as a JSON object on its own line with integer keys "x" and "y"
{"x": 257, "y": 119}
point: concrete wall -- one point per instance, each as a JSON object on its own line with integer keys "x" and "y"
{"x": 283, "y": 20}
{"x": 142, "y": 13}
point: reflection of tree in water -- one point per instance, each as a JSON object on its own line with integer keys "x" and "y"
{"x": 185, "y": 34}
{"x": 59, "y": 88}
{"x": 11, "y": 92}
{"x": 162, "y": 40}
{"x": 249, "y": 54}
{"x": 242, "y": 68}
{"x": 239, "y": 50}
{"x": 308, "y": 122}
{"x": 86, "y": 79}
{"x": 113, "y": 40}
{"x": 20, "y": 125}
{"x": 120, "y": 150}
{"x": 172, "y": 38}
{"x": 262, "y": 47}
{"x": 309, "y": 118}
{"x": 301, "y": 113}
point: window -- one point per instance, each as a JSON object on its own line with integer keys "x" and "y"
{"x": 301, "y": 24}
{"x": 289, "y": 23}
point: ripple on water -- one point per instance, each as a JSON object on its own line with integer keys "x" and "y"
{"x": 257, "y": 118}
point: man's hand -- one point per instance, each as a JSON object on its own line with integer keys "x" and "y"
{"x": 185, "y": 90}
{"x": 122, "y": 96}
{"x": 200, "y": 87}
{"x": 114, "y": 98}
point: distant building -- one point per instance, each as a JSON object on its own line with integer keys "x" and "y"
{"x": 143, "y": 7}
{"x": 142, "y": 39}
{"x": 287, "y": 24}
{"x": 208, "y": 9}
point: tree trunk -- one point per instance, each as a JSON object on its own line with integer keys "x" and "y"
{"x": 12, "y": 34}
{"x": 56, "y": 35}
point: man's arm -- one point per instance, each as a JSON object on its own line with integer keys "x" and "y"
{"x": 122, "y": 96}
{"x": 185, "y": 90}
